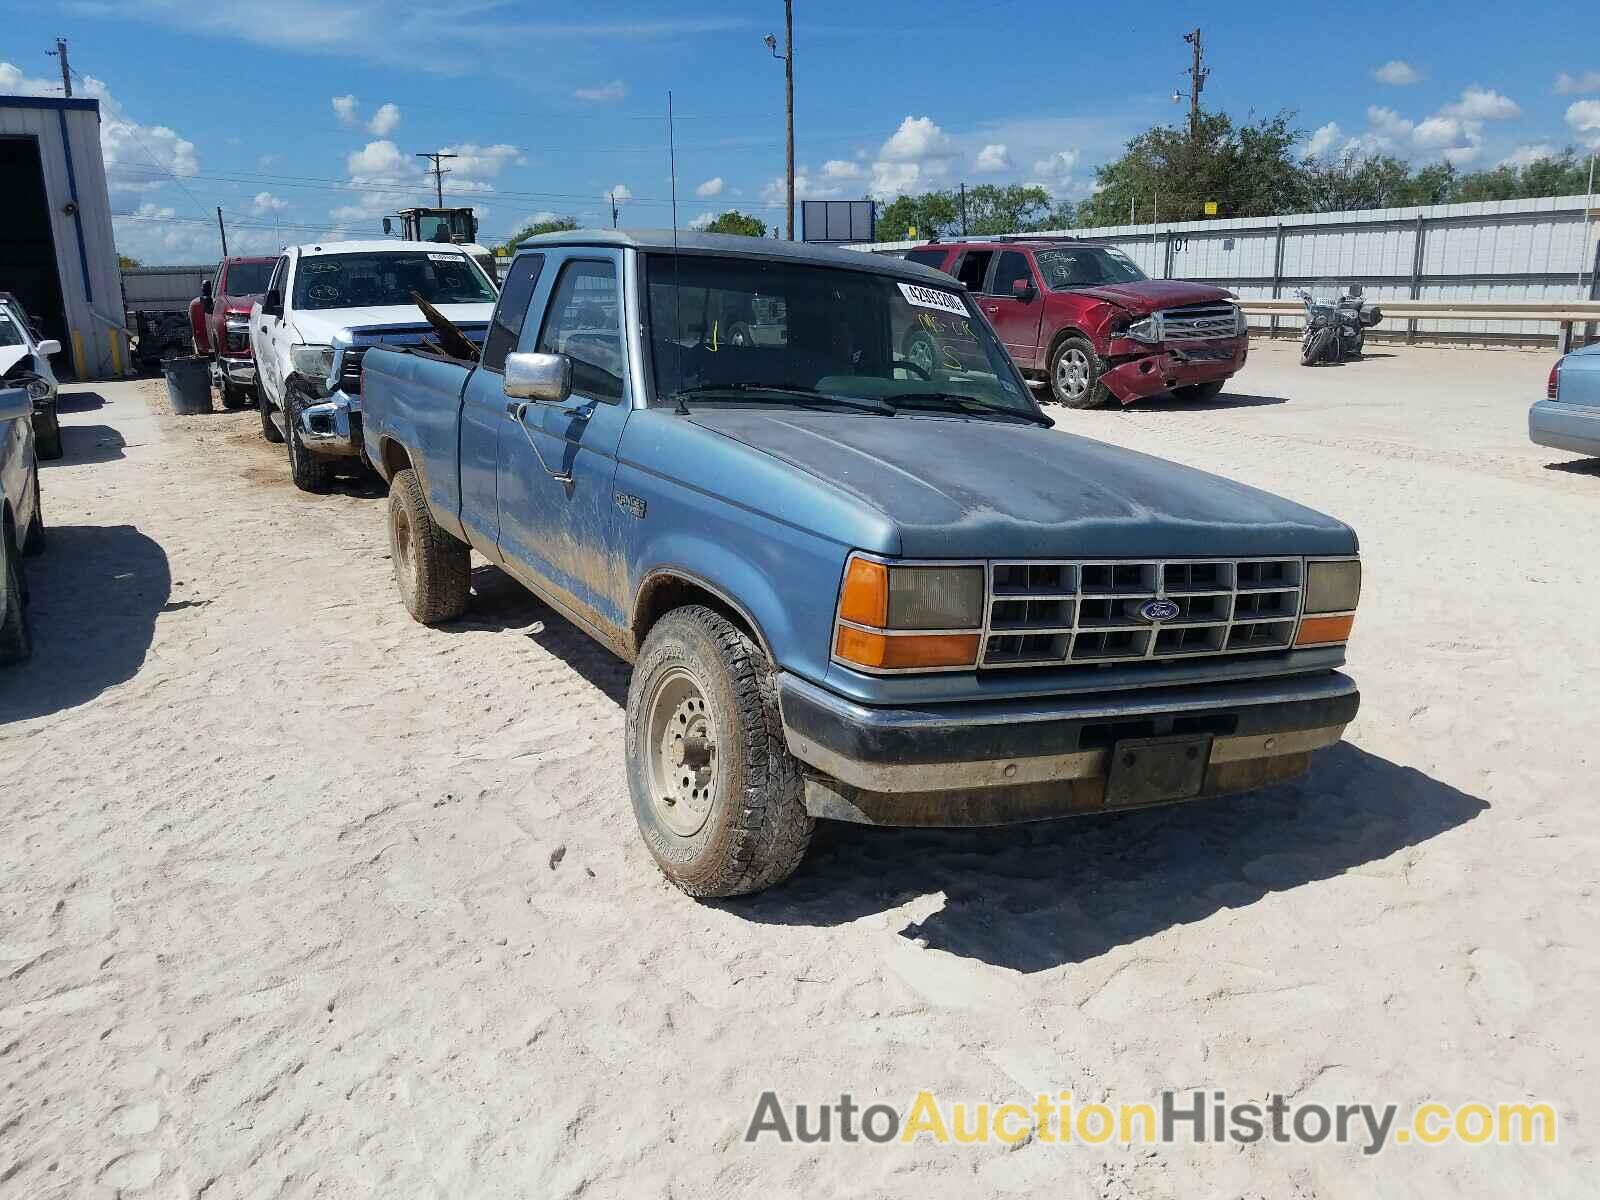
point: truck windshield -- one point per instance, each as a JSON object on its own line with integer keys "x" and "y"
{"x": 1086, "y": 266}
{"x": 387, "y": 278}
{"x": 763, "y": 331}
{"x": 247, "y": 279}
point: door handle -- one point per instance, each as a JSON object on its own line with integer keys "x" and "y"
{"x": 991, "y": 308}
{"x": 580, "y": 412}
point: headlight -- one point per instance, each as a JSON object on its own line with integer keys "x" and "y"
{"x": 1241, "y": 323}
{"x": 1332, "y": 590}
{"x": 38, "y": 388}
{"x": 1148, "y": 330}
{"x": 898, "y": 618}
{"x": 313, "y": 361}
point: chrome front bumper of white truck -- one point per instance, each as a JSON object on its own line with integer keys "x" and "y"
{"x": 333, "y": 426}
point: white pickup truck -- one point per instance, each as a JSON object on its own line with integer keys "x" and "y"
{"x": 324, "y": 307}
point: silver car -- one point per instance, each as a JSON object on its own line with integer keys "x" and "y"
{"x": 21, "y": 519}
{"x": 1569, "y": 417}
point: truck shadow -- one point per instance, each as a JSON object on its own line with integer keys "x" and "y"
{"x": 75, "y": 401}
{"x": 1035, "y": 897}
{"x": 1167, "y": 402}
{"x": 1576, "y": 466}
{"x": 95, "y": 592}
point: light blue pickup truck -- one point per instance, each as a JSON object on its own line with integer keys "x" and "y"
{"x": 852, "y": 585}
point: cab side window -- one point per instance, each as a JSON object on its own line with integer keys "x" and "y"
{"x": 1013, "y": 266}
{"x": 512, "y": 310}
{"x": 974, "y": 266}
{"x": 280, "y": 277}
{"x": 584, "y": 322}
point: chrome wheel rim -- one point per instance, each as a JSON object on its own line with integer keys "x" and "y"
{"x": 682, "y": 745}
{"x": 1072, "y": 373}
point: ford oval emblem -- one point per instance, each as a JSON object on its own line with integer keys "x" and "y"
{"x": 1158, "y": 610}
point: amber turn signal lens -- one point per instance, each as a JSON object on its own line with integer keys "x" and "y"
{"x": 911, "y": 650}
{"x": 1317, "y": 631}
{"x": 865, "y": 599}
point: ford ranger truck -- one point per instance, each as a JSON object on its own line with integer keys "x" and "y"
{"x": 1088, "y": 321}
{"x": 219, "y": 318}
{"x": 324, "y": 307}
{"x": 851, "y": 585}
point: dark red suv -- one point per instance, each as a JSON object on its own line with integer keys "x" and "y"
{"x": 219, "y": 318}
{"x": 1087, "y": 319}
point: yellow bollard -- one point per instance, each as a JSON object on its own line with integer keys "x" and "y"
{"x": 115, "y": 339}
{"x": 77, "y": 355}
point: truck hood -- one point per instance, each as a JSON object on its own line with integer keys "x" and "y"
{"x": 959, "y": 488}
{"x": 326, "y": 326}
{"x": 1142, "y": 299}
{"x": 9, "y": 356}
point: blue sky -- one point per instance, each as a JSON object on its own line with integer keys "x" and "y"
{"x": 302, "y": 119}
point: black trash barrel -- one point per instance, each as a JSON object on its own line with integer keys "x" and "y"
{"x": 188, "y": 384}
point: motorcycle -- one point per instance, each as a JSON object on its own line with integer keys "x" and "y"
{"x": 1336, "y": 330}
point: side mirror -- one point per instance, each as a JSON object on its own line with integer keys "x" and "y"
{"x": 207, "y": 305}
{"x": 49, "y": 347}
{"x": 272, "y": 303}
{"x": 1022, "y": 289}
{"x": 205, "y": 290}
{"x": 15, "y": 403}
{"x": 538, "y": 377}
{"x": 388, "y": 226}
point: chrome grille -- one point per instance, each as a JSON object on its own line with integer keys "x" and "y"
{"x": 1199, "y": 322}
{"x": 1065, "y": 613}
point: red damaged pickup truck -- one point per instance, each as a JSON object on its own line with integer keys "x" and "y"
{"x": 1088, "y": 320}
{"x": 219, "y": 317}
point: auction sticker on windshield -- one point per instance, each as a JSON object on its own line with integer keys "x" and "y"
{"x": 925, "y": 297}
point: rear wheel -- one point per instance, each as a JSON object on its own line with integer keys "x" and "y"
{"x": 719, "y": 799}
{"x": 16, "y": 639}
{"x": 432, "y": 569}
{"x": 1075, "y": 372}
{"x": 47, "y": 434}
{"x": 312, "y": 472}
{"x": 33, "y": 540}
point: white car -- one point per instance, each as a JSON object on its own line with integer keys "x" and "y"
{"x": 25, "y": 362}
{"x": 325, "y": 305}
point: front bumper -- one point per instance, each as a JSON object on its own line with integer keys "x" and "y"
{"x": 996, "y": 762}
{"x": 1574, "y": 427}
{"x": 332, "y": 426}
{"x": 238, "y": 371}
{"x": 1166, "y": 367}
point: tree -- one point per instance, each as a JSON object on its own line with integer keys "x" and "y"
{"x": 932, "y": 214}
{"x": 125, "y": 262}
{"x": 533, "y": 229}
{"x": 1009, "y": 209}
{"x": 736, "y": 222}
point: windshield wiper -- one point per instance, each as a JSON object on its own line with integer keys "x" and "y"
{"x": 793, "y": 391}
{"x": 954, "y": 402}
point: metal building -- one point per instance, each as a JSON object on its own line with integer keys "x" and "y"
{"x": 57, "y": 251}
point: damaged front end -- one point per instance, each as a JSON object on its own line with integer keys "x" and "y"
{"x": 1174, "y": 349}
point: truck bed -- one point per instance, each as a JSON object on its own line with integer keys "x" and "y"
{"x": 412, "y": 398}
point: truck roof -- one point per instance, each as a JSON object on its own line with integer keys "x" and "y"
{"x": 372, "y": 246}
{"x": 659, "y": 240}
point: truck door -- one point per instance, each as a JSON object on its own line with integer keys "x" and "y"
{"x": 1015, "y": 318}
{"x": 267, "y": 335}
{"x": 559, "y": 519}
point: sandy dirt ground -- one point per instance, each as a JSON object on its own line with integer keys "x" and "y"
{"x": 301, "y": 899}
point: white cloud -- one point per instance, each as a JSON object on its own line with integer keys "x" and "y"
{"x": 1523, "y": 155}
{"x": 1577, "y": 85}
{"x": 1584, "y": 118}
{"x": 1398, "y": 72}
{"x": 1323, "y": 140}
{"x": 605, "y": 93}
{"x": 1438, "y": 132}
{"x": 266, "y": 204}
{"x": 385, "y": 121}
{"x": 475, "y": 162}
{"x": 993, "y": 157}
{"x": 806, "y": 187}
{"x": 344, "y": 107}
{"x": 702, "y": 220}
{"x": 1482, "y": 104}
{"x": 619, "y": 193}
{"x": 839, "y": 168}
{"x": 138, "y": 158}
{"x": 917, "y": 138}
{"x": 1055, "y": 172}
{"x": 711, "y": 187}
{"x": 377, "y": 159}
{"x": 1388, "y": 123}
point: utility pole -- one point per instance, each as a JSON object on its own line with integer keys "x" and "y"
{"x": 221, "y": 232}
{"x": 438, "y": 172}
{"x": 963, "y": 208}
{"x": 788, "y": 95}
{"x": 1198, "y": 74}
{"x": 66, "y": 70}
{"x": 613, "y": 210}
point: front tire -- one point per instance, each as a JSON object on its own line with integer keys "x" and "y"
{"x": 233, "y": 396}
{"x": 718, "y": 797}
{"x": 311, "y": 472}
{"x": 16, "y": 638}
{"x": 432, "y": 569}
{"x": 269, "y": 428}
{"x": 33, "y": 540}
{"x": 1075, "y": 371}
{"x": 47, "y": 435}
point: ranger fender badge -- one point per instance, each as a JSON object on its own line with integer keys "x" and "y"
{"x": 1158, "y": 610}
{"x": 631, "y": 505}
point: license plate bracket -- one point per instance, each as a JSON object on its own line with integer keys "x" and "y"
{"x": 1153, "y": 770}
